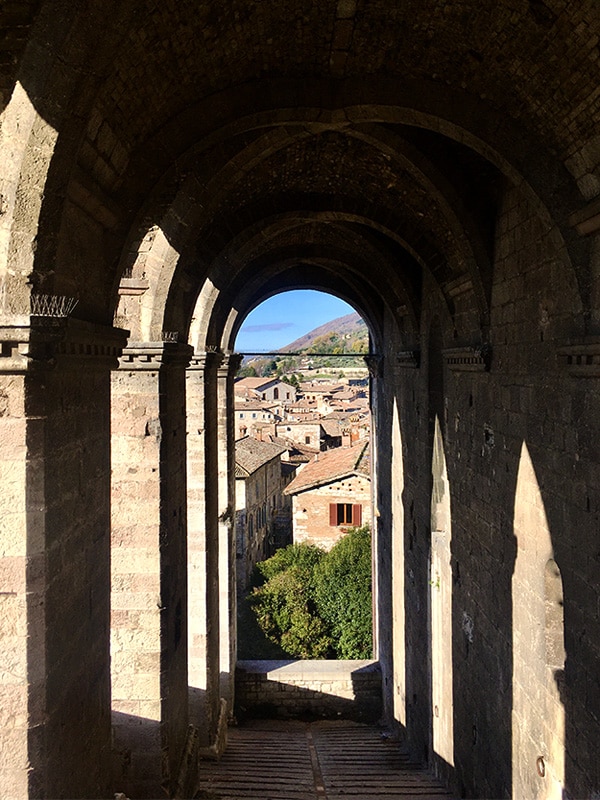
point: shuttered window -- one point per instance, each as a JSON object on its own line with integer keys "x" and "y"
{"x": 345, "y": 514}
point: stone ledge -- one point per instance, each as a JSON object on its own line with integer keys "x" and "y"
{"x": 46, "y": 342}
{"x": 154, "y": 355}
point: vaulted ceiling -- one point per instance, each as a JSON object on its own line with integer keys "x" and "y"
{"x": 352, "y": 144}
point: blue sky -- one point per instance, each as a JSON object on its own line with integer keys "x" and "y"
{"x": 287, "y": 316}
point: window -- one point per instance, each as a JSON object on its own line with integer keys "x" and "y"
{"x": 275, "y": 394}
{"x": 345, "y": 514}
{"x": 307, "y": 440}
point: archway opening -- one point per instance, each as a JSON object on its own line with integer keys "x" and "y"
{"x": 304, "y": 489}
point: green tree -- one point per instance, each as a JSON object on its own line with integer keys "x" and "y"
{"x": 343, "y": 595}
{"x": 316, "y": 604}
{"x": 304, "y": 556}
{"x": 247, "y": 372}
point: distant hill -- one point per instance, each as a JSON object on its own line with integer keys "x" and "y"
{"x": 350, "y": 327}
{"x": 346, "y": 336}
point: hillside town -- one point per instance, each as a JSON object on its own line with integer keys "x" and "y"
{"x": 302, "y": 463}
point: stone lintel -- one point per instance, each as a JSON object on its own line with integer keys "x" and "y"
{"x": 409, "y": 359}
{"x": 47, "y": 342}
{"x": 151, "y": 356}
{"x": 469, "y": 359}
{"x": 586, "y": 221}
{"x": 581, "y": 359}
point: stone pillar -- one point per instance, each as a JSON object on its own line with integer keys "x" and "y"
{"x": 55, "y": 557}
{"x": 149, "y": 568}
{"x": 226, "y": 515}
{"x": 381, "y": 535}
{"x": 203, "y": 549}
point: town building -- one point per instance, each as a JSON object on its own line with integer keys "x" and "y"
{"x": 262, "y": 509}
{"x": 268, "y": 389}
{"x": 251, "y": 417}
{"x": 331, "y": 494}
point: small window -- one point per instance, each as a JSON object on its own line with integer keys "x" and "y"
{"x": 307, "y": 440}
{"x": 345, "y": 514}
{"x": 275, "y": 394}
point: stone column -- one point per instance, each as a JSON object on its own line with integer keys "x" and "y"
{"x": 54, "y": 557}
{"x": 149, "y": 568}
{"x": 381, "y": 535}
{"x": 226, "y": 515}
{"x": 203, "y": 550}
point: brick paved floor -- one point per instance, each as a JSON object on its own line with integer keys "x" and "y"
{"x": 325, "y": 760}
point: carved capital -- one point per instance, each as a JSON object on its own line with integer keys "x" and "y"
{"x": 375, "y": 365}
{"x": 150, "y": 356}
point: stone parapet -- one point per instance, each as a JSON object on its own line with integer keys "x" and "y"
{"x": 324, "y": 688}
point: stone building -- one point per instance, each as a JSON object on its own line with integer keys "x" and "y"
{"x": 252, "y": 416}
{"x": 263, "y": 511}
{"x": 165, "y": 167}
{"x": 269, "y": 389}
{"x": 331, "y": 494}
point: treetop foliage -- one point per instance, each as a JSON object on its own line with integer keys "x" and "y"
{"x": 318, "y": 604}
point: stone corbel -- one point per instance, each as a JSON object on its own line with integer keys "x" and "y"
{"x": 469, "y": 359}
{"x": 133, "y": 287}
{"x": 581, "y": 359}
{"x": 150, "y": 356}
{"x": 409, "y": 359}
{"x": 586, "y": 221}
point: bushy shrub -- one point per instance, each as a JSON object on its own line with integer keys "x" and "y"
{"x": 316, "y": 604}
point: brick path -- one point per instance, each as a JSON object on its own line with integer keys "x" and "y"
{"x": 293, "y": 760}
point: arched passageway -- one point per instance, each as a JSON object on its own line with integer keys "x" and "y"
{"x": 166, "y": 167}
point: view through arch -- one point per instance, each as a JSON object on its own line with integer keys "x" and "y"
{"x": 303, "y": 520}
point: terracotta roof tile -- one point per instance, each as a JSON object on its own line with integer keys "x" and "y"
{"x": 331, "y": 466}
{"x": 251, "y": 454}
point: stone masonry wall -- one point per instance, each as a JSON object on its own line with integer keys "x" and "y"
{"x": 511, "y": 436}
